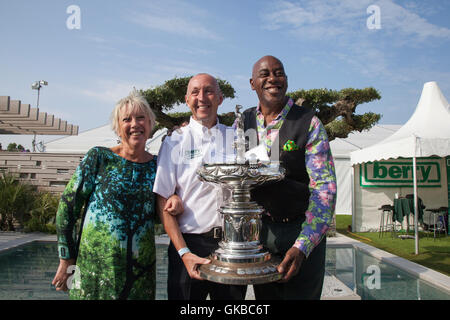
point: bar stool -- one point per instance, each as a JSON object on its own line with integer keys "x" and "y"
{"x": 438, "y": 220}
{"x": 387, "y": 222}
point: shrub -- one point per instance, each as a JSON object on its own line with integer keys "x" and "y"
{"x": 16, "y": 201}
{"x": 22, "y": 205}
{"x": 12, "y": 147}
{"x": 42, "y": 215}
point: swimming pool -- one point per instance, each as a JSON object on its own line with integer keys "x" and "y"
{"x": 373, "y": 279}
{"x": 26, "y": 273}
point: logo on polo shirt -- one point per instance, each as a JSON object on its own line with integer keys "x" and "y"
{"x": 191, "y": 154}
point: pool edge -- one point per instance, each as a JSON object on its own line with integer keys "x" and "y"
{"x": 431, "y": 276}
{"x": 20, "y": 238}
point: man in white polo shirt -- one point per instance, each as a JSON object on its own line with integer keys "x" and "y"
{"x": 195, "y": 233}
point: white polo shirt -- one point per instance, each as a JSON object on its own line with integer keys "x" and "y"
{"x": 180, "y": 156}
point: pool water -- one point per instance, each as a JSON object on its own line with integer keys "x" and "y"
{"x": 373, "y": 279}
{"x": 26, "y": 273}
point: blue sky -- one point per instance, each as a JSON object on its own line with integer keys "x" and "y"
{"x": 323, "y": 44}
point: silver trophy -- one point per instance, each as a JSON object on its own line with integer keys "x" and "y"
{"x": 241, "y": 259}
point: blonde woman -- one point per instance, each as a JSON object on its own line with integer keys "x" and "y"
{"x": 112, "y": 192}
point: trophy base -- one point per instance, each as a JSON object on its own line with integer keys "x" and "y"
{"x": 240, "y": 273}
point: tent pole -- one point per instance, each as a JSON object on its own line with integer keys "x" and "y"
{"x": 352, "y": 185}
{"x": 416, "y": 218}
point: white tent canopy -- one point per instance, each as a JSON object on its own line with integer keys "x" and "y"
{"x": 101, "y": 136}
{"x": 359, "y": 140}
{"x": 427, "y": 133}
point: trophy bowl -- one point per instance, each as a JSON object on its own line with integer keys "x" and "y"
{"x": 240, "y": 258}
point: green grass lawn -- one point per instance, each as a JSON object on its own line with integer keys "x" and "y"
{"x": 433, "y": 253}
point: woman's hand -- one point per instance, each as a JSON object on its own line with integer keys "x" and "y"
{"x": 60, "y": 279}
{"x": 174, "y": 205}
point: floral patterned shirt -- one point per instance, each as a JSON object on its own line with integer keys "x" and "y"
{"x": 320, "y": 167}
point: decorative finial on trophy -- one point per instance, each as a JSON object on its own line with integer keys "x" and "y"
{"x": 239, "y": 142}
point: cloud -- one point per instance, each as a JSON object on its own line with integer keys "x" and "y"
{"x": 95, "y": 39}
{"x": 326, "y": 18}
{"x": 407, "y": 23}
{"x": 175, "y": 17}
{"x": 109, "y": 91}
{"x": 178, "y": 69}
{"x": 312, "y": 19}
{"x": 339, "y": 28}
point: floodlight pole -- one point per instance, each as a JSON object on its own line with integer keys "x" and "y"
{"x": 39, "y": 90}
{"x": 37, "y": 85}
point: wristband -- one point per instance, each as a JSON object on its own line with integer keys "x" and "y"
{"x": 183, "y": 251}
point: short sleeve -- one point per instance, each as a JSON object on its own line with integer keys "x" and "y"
{"x": 165, "y": 180}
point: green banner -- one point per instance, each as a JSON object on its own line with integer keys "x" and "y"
{"x": 399, "y": 173}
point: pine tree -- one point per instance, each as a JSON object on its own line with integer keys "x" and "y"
{"x": 336, "y": 109}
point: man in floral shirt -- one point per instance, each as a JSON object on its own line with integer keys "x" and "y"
{"x": 298, "y": 209}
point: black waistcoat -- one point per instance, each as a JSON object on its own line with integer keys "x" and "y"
{"x": 290, "y": 197}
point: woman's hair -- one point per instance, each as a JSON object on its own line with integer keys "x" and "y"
{"x": 136, "y": 102}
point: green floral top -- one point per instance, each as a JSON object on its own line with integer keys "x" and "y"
{"x": 115, "y": 250}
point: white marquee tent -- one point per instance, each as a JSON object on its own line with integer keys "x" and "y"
{"x": 101, "y": 136}
{"x": 427, "y": 133}
{"x": 341, "y": 149}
